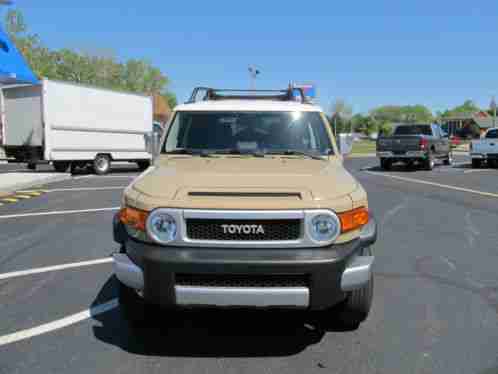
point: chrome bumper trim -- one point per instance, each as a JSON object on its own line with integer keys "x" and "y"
{"x": 127, "y": 272}
{"x": 408, "y": 154}
{"x": 262, "y": 297}
{"x": 357, "y": 273}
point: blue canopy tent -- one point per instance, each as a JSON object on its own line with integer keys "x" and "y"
{"x": 13, "y": 67}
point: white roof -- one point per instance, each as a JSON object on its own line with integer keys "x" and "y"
{"x": 249, "y": 106}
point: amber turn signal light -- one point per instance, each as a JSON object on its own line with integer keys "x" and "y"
{"x": 133, "y": 217}
{"x": 353, "y": 219}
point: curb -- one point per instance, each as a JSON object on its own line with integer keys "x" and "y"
{"x": 9, "y": 190}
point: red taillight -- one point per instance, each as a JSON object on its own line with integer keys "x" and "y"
{"x": 424, "y": 143}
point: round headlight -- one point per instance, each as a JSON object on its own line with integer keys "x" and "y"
{"x": 324, "y": 228}
{"x": 161, "y": 227}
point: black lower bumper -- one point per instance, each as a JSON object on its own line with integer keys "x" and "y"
{"x": 322, "y": 267}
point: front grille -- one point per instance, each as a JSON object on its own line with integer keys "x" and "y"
{"x": 399, "y": 152}
{"x": 243, "y": 230}
{"x": 226, "y": 280}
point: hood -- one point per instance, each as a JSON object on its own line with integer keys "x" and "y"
{"x": 289, "y": 178}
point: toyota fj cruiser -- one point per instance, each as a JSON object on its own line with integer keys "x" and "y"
{"x": 246, "y": 205}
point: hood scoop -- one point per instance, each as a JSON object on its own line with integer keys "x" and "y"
{"x": 244, "y": 195}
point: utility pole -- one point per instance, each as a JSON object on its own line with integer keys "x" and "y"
{"x": 493, "y": 107}
{"x": 253, "y": 73}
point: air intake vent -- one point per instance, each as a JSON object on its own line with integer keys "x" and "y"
{"x": 256, "y": 195}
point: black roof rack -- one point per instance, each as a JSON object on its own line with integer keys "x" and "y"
{"x": 217, "y": 94}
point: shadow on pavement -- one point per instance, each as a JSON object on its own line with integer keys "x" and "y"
{"x": 206, "y": 332}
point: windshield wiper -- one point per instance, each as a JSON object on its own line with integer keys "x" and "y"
{"x": 291, "y": 152}
{"x": 236, "y": 151}
{"x": 189, "y": 151}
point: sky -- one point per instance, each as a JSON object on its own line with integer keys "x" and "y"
{"x": 373, "y": 52}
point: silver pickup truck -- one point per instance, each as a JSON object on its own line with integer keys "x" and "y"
{"x": 485, "y": 150}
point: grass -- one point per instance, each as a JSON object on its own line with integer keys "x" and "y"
{"x": 363, "y": 146}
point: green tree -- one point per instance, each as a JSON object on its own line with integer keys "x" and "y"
{"x": 134, "y": 75}
{"x": 406, "y": 113}
{"x": 467, "y": 107}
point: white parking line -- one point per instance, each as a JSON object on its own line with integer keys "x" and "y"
{"x": 58, "y": 212}
{"x": 85, "y": 189}
{"x": 105, "y": 176}
{"x": 446, "y": 186}
{"x": 58, "y": 324}
{"x": 46, "y": 269}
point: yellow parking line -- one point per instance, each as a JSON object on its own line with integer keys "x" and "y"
{"x": 31, "y": 193}
{"x": 9, "y": 200}
{"x": 22, "y": 197}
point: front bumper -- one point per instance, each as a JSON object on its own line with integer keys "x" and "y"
{"x": 331, "y": 273}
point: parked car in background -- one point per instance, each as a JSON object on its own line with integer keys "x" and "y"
{"x": 414, "y": 143}
{"x": 485, "y": 149}
{"x": 71, "y": 125}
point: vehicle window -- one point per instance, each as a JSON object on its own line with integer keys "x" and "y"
{"x": 413, "y": 130}
{"x": 249, "y": 131}
{"x": 492, "y": 134}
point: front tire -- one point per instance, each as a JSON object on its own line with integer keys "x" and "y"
{"x": 356, "y": 307}
{"x": 61, "y": 166}
{"x": 132, "y": 307}
{"x": 142, "y": 165}
{"x": 476, "y": 163}
{"x": 448, "y": 160}
{"x": 31, "y": 166}
{"x": 385, "y": 164}
{"x": 429, "y": 163}
{"x": 102, "y": 164}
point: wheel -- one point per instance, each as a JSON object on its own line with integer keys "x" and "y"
{"x": 356, "y": 307}
{"x": 409, "y": 164}
{"x": 31, "y": 166}
{"x": 476, "y": 163}
{"x": 448, "y": 160}
{"x": 385, "y": 164}
{"x": 101, "y": 164}
{"x": 429, "y": 163}
{"x": 142, "y": 165}
{"x": 492, "y": 163}
{"x": 61, "y": 166}
{"x": 132, "y": 307}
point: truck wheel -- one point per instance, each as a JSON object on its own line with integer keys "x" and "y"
{"x": 492, "y": 163}
{"x": 385, "y": 164}
{"x": 476, "y": 163}
{"x": 101, "y": 164}
{"x": 356, "y": 307}
{"x": 31, "y": 166}
{"x": 132, "y": 307}
{"x": 142, "y": 165}
{"x": 448, "y": 160}
{"x": 429, "y": 163}
{"x": 61, "y": 166}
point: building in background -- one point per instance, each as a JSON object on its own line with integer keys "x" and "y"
{"x": 467, "y": 125}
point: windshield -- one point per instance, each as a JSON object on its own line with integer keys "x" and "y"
{"x": 249, "y": 132}
{"x": 413, "y": 130}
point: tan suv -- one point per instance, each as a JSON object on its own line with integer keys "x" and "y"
{"x": 247, "y": 205}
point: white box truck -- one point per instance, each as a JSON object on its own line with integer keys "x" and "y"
{"x": 71, "y": 125}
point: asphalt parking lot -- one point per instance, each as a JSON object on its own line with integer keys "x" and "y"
{"x": 435, "y": 304}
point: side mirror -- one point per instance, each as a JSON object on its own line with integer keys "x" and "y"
{"x": 345, "y": 143}
{"x": 152, "y": 143}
